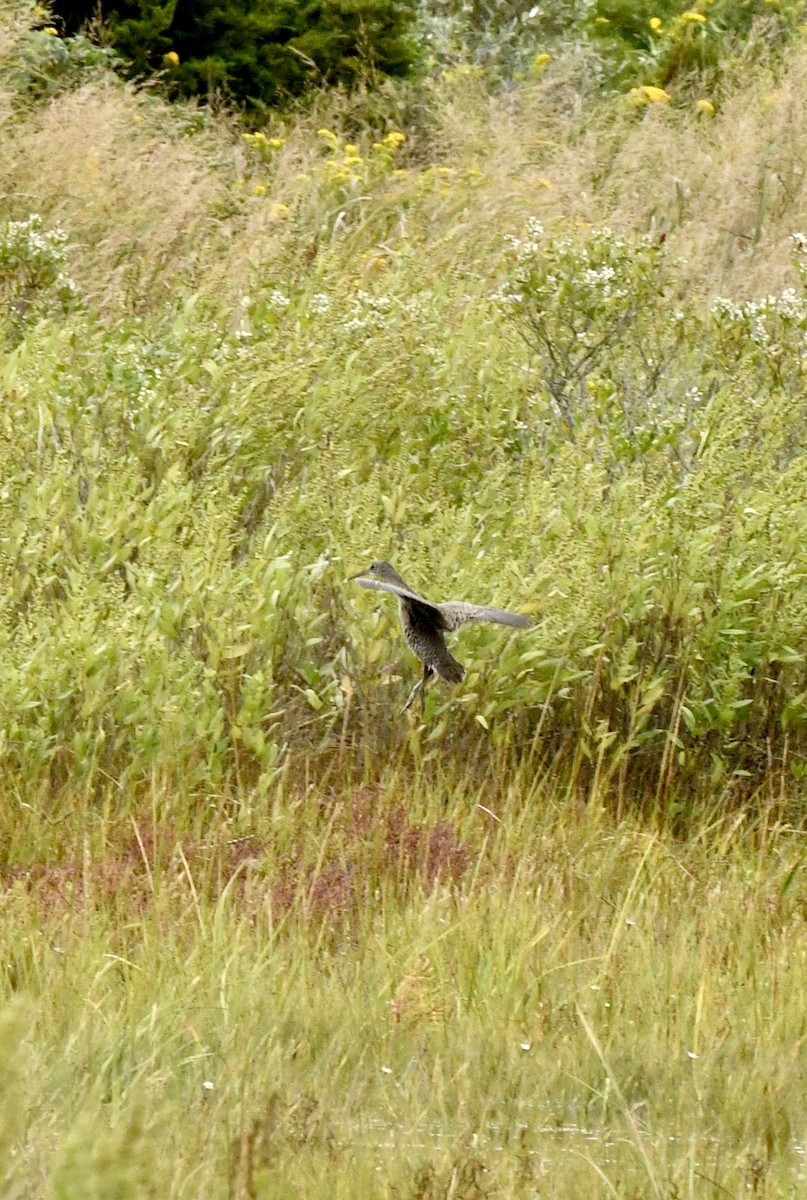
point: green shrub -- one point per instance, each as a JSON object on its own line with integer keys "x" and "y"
{"x": 503, "y": 36}
{"x": 182, "y": 504}
{"x": 588, "y": 309}
{"x": 660, "y": 41}
{"x": 611, "y": 43}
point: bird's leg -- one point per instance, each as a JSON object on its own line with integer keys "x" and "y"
{"x": 420, "y": 686}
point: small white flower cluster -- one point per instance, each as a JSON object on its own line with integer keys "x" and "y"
{"x": 529, "y": 246}
{"x": 595, "y": 276}
{"x": 367, "y": 313}
{"x": 29, "y": 235}
{"x": 319, "y": 304}
{"x": 759, "y": 318}
{"x": 589, "y": 275}
{"x": 33, "y": 259}
{"x": 277, "y": 300}
{"x": 508, "y": 297}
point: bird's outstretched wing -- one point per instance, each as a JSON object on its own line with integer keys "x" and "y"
{"x": 451, "y": 616}
{"x": 458, "y": 612}
{"x": 381, "y": 585}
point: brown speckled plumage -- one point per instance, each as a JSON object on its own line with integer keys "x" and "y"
{"x": 424, "y": 624}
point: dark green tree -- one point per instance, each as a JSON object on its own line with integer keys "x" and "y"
{"x": 259, "y": 53}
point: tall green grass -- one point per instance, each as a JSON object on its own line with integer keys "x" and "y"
{"x": 395, "y": 988}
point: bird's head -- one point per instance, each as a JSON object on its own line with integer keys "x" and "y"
{"x": 379, "y": 570}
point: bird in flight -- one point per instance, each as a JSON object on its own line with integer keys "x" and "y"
{"x": 424, "y": 624}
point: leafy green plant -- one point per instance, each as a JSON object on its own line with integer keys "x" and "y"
{"x": 43, "y": 65}
{"x": 617, "y": 43}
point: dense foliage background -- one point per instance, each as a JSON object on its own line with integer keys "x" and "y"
{"x": 270, "y": 52}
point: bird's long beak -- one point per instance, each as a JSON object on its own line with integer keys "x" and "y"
{"x": 358, "y": 575}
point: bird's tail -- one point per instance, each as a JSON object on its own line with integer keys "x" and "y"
{"x": 448, "y": 668}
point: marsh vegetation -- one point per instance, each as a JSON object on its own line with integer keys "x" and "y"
{"x": 541, "y": 345}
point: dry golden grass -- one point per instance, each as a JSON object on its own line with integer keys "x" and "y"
{"x": 156, "y": 212}
{"x": 140, "y": 203}
{"x": 727, "y": 191}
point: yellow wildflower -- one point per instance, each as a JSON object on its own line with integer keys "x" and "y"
{"x": 260, "y": 190}
{"x": 395, "y": 138}
{"x": 655, "y": 24}
{"x": 329, "y": 136}
{"x": 654, "y": 95}
{"x": 280, "y": 210}
{"x": 602, "y": 21}
{"x": 276, "y": 143}
{"x": 539, "y": 62}
{"x": 351, "y": 149}
{"x": 706, "y": 106}
{"x": 50, "y": 31}
{"x": 171, "y": 59}
{"x": 691, "y": 15}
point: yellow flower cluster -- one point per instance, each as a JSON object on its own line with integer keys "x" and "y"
{"x": 346, "y": 166}
{"x": 647, "y": 94}
{"x": 171, "y": 59}
{"x": 260, "y": 141}
{"x": 263, "y": 146}
{"x": 266, "y": 149}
